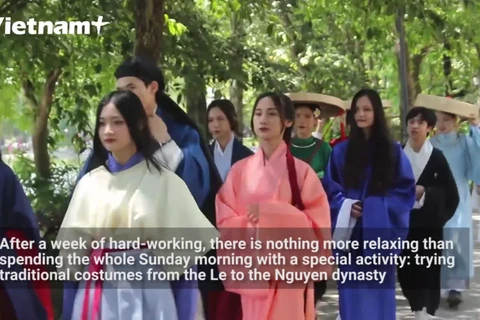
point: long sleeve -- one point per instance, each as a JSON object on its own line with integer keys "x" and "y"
{"x": 170, "y": 154}
{"x": 441, "y": 199}
{"x": 387, "y": 217}
{"x": 473, "y": 149}
{"x": 340, "y": 206}
{"x": 193, "y": 167}
{"x": 19, "y": 222}
{"x": 233, "y": 225}
{"x": 69, "y": 292}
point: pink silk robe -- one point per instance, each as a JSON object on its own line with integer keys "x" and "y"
{"x": 250, "y": 181}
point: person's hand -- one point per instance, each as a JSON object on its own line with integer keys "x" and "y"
{"x": 158, "y": 128}
{"x": 252, "y": 213}
{"x": 474, "y": 120}
{"x": 357, "y": 210}
{"x": 419, "y": 191}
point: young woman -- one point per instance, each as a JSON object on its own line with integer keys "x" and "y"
{"x": 371, "y": 190}
{"x": 437, "y": 199}
{"x": 304, "y": 146}
{"x": 126, "y": 195}
{"x": 272, "y": 189}
{"x": 223, "y": 126}
{"x": 20, "y": 300}
{"x": 463, "y": 154}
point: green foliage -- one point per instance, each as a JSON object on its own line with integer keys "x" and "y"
{"x": 330, "y": 47}
{"x": 49, "y": 198}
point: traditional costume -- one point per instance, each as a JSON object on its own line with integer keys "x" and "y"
{"x": 328, "y": 106}
{"x": 197, "y": 168}
{"x": 384, "y": 217}
{"x": 420, "y": 283}
{"x": 462, "y": 153}
{"x": 289, "y": 195}
{"x": 20, "y": 300}
{"x": 129, "y": 202}
{"x": 312, "y": 150}
{"x": 224, "y": 159}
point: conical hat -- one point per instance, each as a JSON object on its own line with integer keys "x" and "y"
{"x": 386, "y": 104}
{"x": 329, "y": 106}
{"x": 459, "y": 108}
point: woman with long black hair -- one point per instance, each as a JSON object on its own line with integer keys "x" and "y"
{"x": 371, "y": 190}
{"x": 267, "y": 191}
{"x": 127, "y": 195}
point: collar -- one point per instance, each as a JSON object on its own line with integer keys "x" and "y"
{"x": 227, "y": 147}
{"x": 425, "y": 149}
{"x": 114, "y": 166}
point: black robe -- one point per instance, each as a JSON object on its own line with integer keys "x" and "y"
{"x": 421, "y": 285}
{"x": 239, "y": 151}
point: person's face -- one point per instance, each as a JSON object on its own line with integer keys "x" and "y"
{"x": 145, "y": 93}
{"x": 418, "y": 128}
{"x": 267, "y": 122}
{"x": 218, "y": 124}
{"x": 305, "y": 121}
{"x": 113, "y": 129}
{"x": 364, "y": 114}
{"x": 445, "y": 122}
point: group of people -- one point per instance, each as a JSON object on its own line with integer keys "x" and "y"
{"x": 151, "y": 172}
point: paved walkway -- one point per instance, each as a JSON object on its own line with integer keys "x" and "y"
{"x": 468, "y": 310}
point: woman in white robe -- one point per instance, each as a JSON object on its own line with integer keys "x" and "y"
{"x": 129, "y": 196}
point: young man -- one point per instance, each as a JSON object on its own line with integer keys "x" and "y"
{"x": 437, "y": 199}
{"x": 186, "y": 153}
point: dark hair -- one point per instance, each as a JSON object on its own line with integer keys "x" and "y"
{"x": 377, "y": 150}
{"x": 285, "y": 109}
{"x": 425, "y": 114}
{"x": 227, "y": 107}
{"x": 132, "y": 111}
{"x": 147, "y": 71}
{"x": 311, "y": 106}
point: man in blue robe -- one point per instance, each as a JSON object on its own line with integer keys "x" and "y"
{"x": 21, "y": 300}
{"x": 185, "y": 152}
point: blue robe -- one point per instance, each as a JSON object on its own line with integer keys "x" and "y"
{"x": 195, "y": 171}
{"x": 385, "y": 217}
{"x": 463, "y": 155}
{"x": 16, "y": 215}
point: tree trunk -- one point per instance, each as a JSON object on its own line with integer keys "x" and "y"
{"x": 42, "y": 112}
{"x": 149, "y": 23}
{"x": 237, "y": 87}
{"x": 195, "y": 96}
{"x": 417, "y": 60}
{"x": 236, "y": 96}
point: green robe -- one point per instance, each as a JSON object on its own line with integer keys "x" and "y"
{"x": 303, "y": 149}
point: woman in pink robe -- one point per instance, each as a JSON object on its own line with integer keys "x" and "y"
{"x": 267, "y": 191}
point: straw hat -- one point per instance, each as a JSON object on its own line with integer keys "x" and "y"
{"x": 444, "y": 104}
{"x": 386, "y": 104}
{"x": 329, "y": 106}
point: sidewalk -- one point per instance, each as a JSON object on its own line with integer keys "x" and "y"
{"x": 468, "y": 310}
